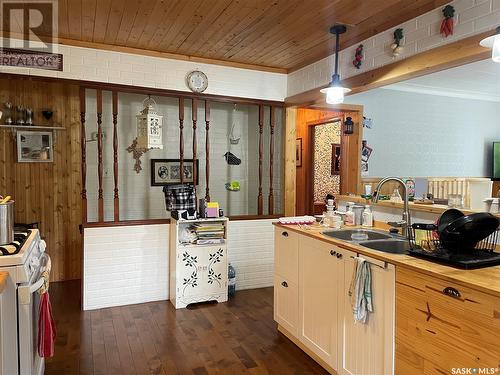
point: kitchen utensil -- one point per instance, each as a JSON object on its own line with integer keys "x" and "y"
{"x": 464, "y": 233}
{"x": 447, "y": 217}
{"x": 29, "y": 116}
{"x": 6, "y": 221}
{"x": 20, "y": 115}
{"x": 8, "y": 113}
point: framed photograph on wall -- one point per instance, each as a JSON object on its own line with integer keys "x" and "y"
{"x": 34, "y": 147}
{"x": 168, "y": 171}
{"x": 336, "y": 151}
{"x": 298, "y": 152}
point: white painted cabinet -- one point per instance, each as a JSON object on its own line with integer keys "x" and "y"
{"x": 311, "y": 303}
{"x": 321, "y": 275}
{"x": 369, "y": 348}
{"x": 286, "y": 303}
{"x": 197, "y": 272}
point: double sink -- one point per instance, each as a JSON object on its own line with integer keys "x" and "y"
{"x": 372, "y": 239}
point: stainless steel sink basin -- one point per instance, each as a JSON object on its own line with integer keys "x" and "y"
{"x": 388, "y": 246}
{"x": 346, "y": 234}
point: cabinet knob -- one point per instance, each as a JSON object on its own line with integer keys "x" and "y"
{"x": 339, "y": 255}
{"x": 285, "y": 284}
{"x": 284, "y": 234}
{"x": 332, "y": 253}
{"x": 452, "y": 292}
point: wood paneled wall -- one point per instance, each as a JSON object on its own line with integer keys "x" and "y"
{"x": 47, "y": 193}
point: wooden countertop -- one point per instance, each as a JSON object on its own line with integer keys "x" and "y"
{"x": 483, "y": 279}
{"x": 431, "y": 208}
{"x": 3, "y": 280}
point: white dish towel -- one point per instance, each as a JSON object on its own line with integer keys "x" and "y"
{"x": 360, "y": 290}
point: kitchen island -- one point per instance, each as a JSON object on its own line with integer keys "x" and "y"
{"x": 428, "y": 318}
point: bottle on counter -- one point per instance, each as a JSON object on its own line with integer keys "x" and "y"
{"x": 349, "y": 217}
{"x": 367, "y": 217}
{"x": 231, "y": 281}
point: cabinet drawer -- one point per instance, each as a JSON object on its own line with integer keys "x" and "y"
{"x": 286, "y": 254}
{"x": 286, "y": 304}
{"x": 444, "y": 325}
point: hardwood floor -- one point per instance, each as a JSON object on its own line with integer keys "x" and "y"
{"x": 237, "y": 337}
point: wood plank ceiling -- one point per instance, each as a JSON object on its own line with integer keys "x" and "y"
{"x": 283, "y": 34}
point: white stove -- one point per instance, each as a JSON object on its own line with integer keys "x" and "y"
{"x": 24, "y": 260}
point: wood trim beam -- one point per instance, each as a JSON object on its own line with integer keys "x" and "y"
{"x": 451, "y": 55}
{"x": 146, "y": 90}
{"x": 100, "y": 165}
{"x": 290, "y": 168}
{"x": 167, "y": 55}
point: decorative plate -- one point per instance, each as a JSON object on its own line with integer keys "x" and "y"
{"x": 197, "y": 81}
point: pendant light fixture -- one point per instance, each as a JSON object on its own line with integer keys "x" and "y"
{"x": 493, "y": 42}
{"x": 335, "y": 91}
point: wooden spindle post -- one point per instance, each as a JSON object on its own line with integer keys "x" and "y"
{"x": 260, "y": 201}
{"x": 194, "y": 116}
{"x": 100, "y": 200}
{"x": 181, "y": 137}
{"x": 207, "y": 150}
{"x": 83, "y": 141}
{"x": 116, "y": 200}
{"x": 271, "y": 160}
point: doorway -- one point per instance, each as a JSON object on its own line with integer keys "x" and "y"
{"x": 328, "y": 160}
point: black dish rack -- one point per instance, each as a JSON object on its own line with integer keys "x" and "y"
{"x": 425, "y": 243}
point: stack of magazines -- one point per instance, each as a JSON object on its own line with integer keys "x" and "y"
{"x": 208, "y": 233}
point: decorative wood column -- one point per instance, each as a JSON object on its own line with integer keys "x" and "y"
{"x": 207, "y": 150}
{"x": 271, "y": 160}
{"x": 260, "y": 201}
{"x": 100, "y": 200}
{"x": 181, "y": 137}
{"x": 194, "y": 115}
{"x": 116, "y": 200}
{"x": 83, "y": 141}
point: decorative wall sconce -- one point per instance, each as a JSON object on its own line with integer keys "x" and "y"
{"x": 348, "y": 126}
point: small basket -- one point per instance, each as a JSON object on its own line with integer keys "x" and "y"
{"x": 425, "y": 237}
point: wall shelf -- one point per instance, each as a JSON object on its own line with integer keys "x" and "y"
{"x": 14, "y": 128}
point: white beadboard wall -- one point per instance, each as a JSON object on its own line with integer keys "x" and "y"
{"x": 129, "y": 264}
{"x": 91, "y": 64}
{"x": 421, "y": 34}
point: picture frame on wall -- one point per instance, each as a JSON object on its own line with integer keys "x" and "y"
{"x": 298, "y": 152}
{"x": 34, "y": 147}
{"x": 167, "y": 172}
{"x": 336, "y": 154}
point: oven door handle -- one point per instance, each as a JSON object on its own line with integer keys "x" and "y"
{"x": 26, "y": 290}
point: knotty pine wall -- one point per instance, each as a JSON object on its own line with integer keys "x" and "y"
{"x": 48, "y": 193}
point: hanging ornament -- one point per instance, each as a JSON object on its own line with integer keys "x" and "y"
{"x": 448, "y": 21}
{"x": 358, "y": 57}
{"x": 396, "y": 46}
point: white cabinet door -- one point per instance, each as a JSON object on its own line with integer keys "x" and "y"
{"x": 286, "y": 253}
{"x": 286, "y": 304}
{"x": 369, "y": 348}
{"x": 200, "y": 270}
{"x": 320, "y": 273}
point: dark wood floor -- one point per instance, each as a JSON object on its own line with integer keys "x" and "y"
{"x": 238, "y": 337}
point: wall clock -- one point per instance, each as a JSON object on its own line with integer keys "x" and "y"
{"x": 197, "y": 81}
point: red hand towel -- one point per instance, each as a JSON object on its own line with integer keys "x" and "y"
{"x": 46, "y": 327}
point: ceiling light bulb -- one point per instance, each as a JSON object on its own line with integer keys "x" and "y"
{"x": 335, "y": 95}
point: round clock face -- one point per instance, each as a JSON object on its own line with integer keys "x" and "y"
{"x": 197, "y": 81}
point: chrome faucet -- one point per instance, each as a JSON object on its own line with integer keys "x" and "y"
{"x": 405, "y": 223}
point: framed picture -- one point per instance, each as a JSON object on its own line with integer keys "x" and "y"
{"x": 168, "y": 171}
{"x": 336, "y": 150}
{"x": 298, "y": 152}
{"x": 34, "y": 147}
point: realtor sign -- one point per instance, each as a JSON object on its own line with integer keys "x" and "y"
{"x": 29, "y": 34}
